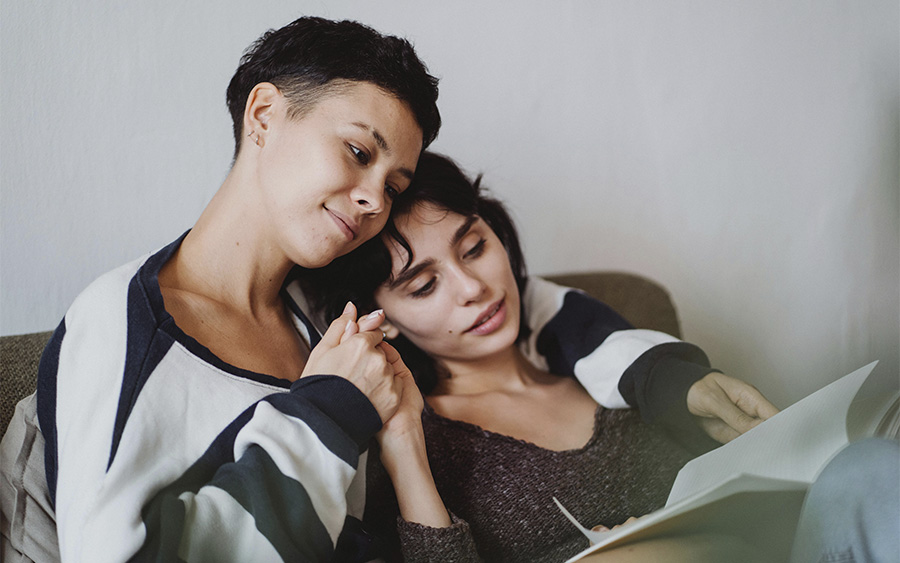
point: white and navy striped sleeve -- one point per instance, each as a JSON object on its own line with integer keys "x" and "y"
{"x": 154, "y": 453}
{"x": 619, "y": 365}
{"x": 272, "y": 487}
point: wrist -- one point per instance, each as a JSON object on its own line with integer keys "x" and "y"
{"x": 417, "y": 495}
{"x": 402, "y": 454}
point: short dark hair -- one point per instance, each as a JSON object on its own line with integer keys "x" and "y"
{"x": 356, "y": 276}
{"x": 310, "y": 57}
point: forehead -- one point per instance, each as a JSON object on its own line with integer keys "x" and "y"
{"x": 425, "y": 222}
{"x": 368, "y": 105}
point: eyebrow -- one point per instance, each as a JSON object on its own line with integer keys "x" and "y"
{"x": 382, "y": 144}
{"x": 411, "y": 273}
{"x": 463, "y": 229}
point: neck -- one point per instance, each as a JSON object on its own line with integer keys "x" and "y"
{"x": 229, "y": 256}
{"x": 506, "y": 371}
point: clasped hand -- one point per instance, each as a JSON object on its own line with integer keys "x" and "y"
{"x": 355, "y": 350}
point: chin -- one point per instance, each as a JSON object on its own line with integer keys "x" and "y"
{"x": 504, "y": 338}
{"x": 326, "y": 256}
{"x": 315, "y": 262}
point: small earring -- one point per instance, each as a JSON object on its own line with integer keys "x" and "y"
{"x": 256, "y": 140}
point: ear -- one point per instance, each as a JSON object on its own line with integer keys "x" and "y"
{"x": 261, "y": 106}
{"x": 390, "y": 331}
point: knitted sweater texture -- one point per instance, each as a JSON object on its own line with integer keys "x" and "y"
{"x": 500, "y": 490}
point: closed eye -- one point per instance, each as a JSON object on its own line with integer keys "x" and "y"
{"x": 476, "y": 250}
{"x": 426, "y": 289}
{"x": 391, "y": 191}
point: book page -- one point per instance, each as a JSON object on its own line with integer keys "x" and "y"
{"x": 770, "y": 465}
{"x": 727, "y": 508}
{"x": 793, "y": 445}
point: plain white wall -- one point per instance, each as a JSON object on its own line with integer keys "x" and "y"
{"x": 744, "y": 154}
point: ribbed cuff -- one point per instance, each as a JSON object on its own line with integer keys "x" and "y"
{"x": 453, "y": 544}
{"x": 344, "y": 403}
{"x": 660, "y": 380}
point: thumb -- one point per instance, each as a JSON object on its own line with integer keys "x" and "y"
{"x": 735, "y": 417}
{"x": 339, "y": 326}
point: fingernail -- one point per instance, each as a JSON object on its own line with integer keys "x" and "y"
{"x": 348, "y": 307}
{"x": 375, "y": 313}
{"x": 347, "y": 328}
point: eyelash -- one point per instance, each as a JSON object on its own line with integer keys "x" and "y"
{"x": 428, "y": 288}
{"x": 476, "y": 250}
{"x": 363, "y": 158}
{"x": 425, "y": 290}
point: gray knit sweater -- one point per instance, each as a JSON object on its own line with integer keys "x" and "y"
{"x": 499, "y": 490}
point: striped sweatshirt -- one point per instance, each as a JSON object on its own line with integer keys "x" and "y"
{"x": 155, "y": 449}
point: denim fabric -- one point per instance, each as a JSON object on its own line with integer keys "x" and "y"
{"x": 852, "y": 511}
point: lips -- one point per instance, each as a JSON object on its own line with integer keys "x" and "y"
{"x": 490, "y": 320}
{"x": 347, "y": 225}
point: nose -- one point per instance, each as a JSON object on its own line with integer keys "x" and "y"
{"x": 369, "y": 194}
{"x": 470, "y": 286}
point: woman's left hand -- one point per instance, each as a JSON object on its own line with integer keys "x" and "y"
{"x": 403, "y": 430}
{"x": 727, "y": 407}
{"x": 602, "y": 528}
{"x": 402, "y": 442}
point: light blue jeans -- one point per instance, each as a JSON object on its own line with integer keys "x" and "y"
{"x": 852, "y": 511}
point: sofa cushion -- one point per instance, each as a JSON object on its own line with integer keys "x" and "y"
{"x": 20, "y": 357}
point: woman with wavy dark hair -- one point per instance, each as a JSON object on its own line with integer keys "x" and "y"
{"x": 472, "y": 469}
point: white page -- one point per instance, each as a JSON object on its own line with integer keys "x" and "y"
{"x": 739, "y": 483}
{"x": 793, "y": 445}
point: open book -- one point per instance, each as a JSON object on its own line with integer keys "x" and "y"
{"x": 754, "y": 486}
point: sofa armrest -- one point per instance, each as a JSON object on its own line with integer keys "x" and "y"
{"x": 19, "y": 359}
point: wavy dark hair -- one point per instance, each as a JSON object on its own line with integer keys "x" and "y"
{"x": 356, "y": 276}
{"x": 312, "y": 57}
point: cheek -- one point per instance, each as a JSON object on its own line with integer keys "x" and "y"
{"x": 435, "y": 341}
{"x": 423, "y": 323}
{"x": 417, "y": 325}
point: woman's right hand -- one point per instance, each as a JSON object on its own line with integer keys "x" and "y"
{"x": 351, "y": 350}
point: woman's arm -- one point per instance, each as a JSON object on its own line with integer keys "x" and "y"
{"x": 669, "y": 381}
{"x": 402, "y": 442}
{"x": 272, "y": 486}
{"x": 153, "y": 454}
{"x": 426, "y": 530}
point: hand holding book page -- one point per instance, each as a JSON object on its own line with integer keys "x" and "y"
{"x": 763, "y": 474}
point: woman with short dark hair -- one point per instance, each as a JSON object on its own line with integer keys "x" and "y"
{"x": 184, "y": 413}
